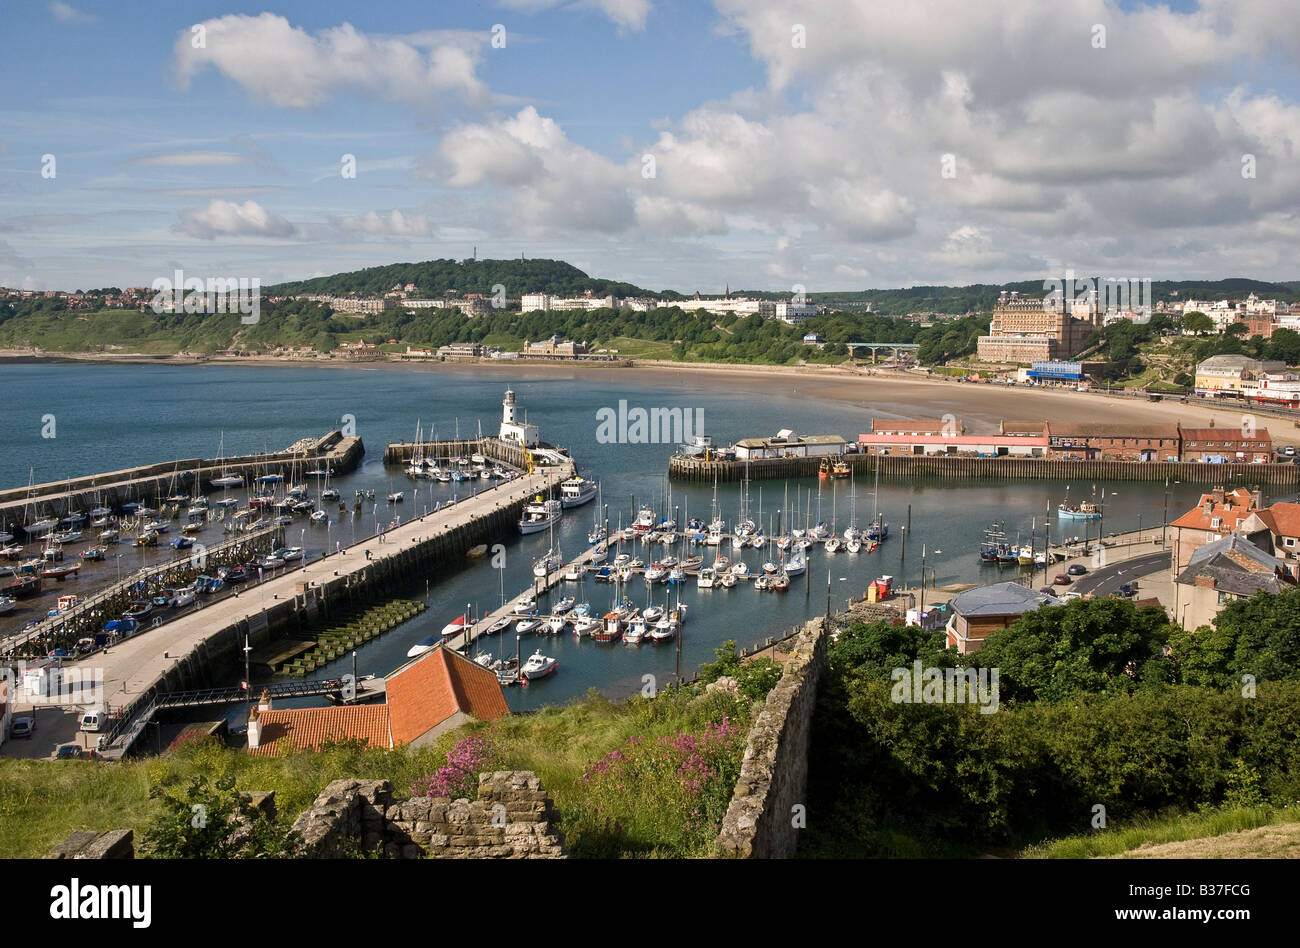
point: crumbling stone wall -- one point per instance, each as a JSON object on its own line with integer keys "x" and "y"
{"x": 759, "y": 823}
{"x": 512, "y": 818}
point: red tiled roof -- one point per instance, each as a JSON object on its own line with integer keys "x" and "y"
{"x": 1236, "y": 508}
{"x": 310, "y": 728}
{"x": 436, "y": 686}
{"x": 1223, "y": 434}
{"x": 1282, "y": 519}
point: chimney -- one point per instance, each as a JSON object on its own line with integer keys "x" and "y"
{"x": 1217, "y": 494}
{"x": 1207, "y": 508}
{"x": 254, "y": 730}
{"x": 264, "y": 702}
{"x": 1256, "y": 498}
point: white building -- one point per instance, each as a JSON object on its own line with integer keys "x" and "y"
{"x": 794, "y": 313}
{"x": 513, "y": 430}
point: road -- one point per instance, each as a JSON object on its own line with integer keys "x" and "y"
{"x": 1107, "y": 579}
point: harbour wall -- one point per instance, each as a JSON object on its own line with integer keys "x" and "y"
{"x": 315, "y": 601}
{"x": 763, "y": 819}
{"x": 401, "y": 452}
{"x": 336, "y": 451}
{"x": 1273, "y": 475}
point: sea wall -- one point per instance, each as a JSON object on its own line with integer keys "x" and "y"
{"x": 696, "y": 469}
{"x": 512, "y": 818}
{"x": 762, "y": 821}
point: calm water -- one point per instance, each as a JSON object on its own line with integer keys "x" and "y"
{"x": 110, "y": 417}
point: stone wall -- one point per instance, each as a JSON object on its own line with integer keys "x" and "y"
{"x": 512, "y": 818}
{"x": 760, "y": 822}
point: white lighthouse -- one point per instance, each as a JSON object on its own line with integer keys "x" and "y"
{"x": 512, "y": 429}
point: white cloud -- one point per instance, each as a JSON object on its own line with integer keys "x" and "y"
{"x": 627, "y": 15}
{"x": 286, "y": 66}
{"x": 224, "y": 218}
{"x": 392, "y": 223}
{"x": 69, "y": 14}
{"x": 190, "y": 159}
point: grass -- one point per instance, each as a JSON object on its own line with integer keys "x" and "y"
{"x": 42, "y": 802}
{"x": 1169, "y": 829}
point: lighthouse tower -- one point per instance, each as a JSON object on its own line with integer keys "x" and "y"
{"x": 511, "y": 428}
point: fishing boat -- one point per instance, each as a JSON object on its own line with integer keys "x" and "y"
{"x": 635, "y": 632}
{"x": 840, "y": 470}
{"x": 538, "y": 666}
{"x": 824, "y": 469}
{"x": 1082, "y": 511}
{"x": 21, "y": 586}
{"x": 576, "y": 491}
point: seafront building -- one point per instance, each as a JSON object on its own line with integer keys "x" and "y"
{"x": 1037, "y": 330}
{"x": 1224, "y": 571}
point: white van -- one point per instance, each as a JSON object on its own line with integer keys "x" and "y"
{"x": 93, "y": 720}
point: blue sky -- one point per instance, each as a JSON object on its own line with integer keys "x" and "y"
{"x": 821, "y": 164}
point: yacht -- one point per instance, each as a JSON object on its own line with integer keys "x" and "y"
{"x": 538, "y": 666}
{"x": 705, "y": 578}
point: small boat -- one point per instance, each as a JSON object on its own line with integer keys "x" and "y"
{"x": 289, "y": 553}
{"x": 854, "y": 545}
{"x": 552, "y": 626}
{"x": 728, "y": 579}
{"x": 395, "y": 497}
{"x": 7, "y": 603}
{"x": 455, "y": 626}
{"x": 182, "y": 598}
{"x": 603, "y": 575}
{"x": 319, "y": 516}
{"x": 138, "y": 610}
{"x": 761, "y": 582}
{"x": 525, "y": 605}
{"x": 524, "y": 626}
{"x": 475, "y": 552}
{"x": 779, "y": 583}
{"x": 538, "y": 666}
{"x": 585, "y": 625}
{"x": 840, "y": 470}
{"x": 834, "y": 544}
{"x": 705, "y": 578}
{"x": 227, "y": 481}
{"x": 611, "y": 627}
{"x": 575, "y": 573}
{"x": 740, "y": 570}
{"x": 636, "y": 630}
{"x": 422, "y": 646}
{"x": 182, "y": 543}
{"x": 95, "y": 553}
{"x": 563, "y": 606}
{"x": 60, "y": 572}
{"x": 653, "y": 613}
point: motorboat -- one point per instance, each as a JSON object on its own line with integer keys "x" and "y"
{"x": 705, "y": 578}
{"x": 396, "y": 497}
{"x": 563, "y": 606}
{"x": 422, "y": 646}
{"x": 525, "y": 605}
{"x": 636, "y": 630}
{"x": 575, "y": 573}
{"x": 552, "y": 626}
{"x": 653, "y": 613}
{"x": 538, "y": 666}
{"x": 182, "y": 543}
{"x": 796, "y": 566}
{"x": 740, "y": 570}
{"x": 60, "y": 572}
{"x": 181, "y": 598}
{"x": 585, "y": 625}
{"x": 577, "y": 491}
{"x": 95, "y": 553}
{"x": 524, "y": 626}
{"x": 539, "y": 515}
{"x": 455, "y": 626}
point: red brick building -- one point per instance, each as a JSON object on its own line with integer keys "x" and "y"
{"x": 1113, "y": 442}
{"x": 1227, "y": 445}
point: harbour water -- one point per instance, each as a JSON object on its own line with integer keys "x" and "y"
{"x": 112, "y": 416}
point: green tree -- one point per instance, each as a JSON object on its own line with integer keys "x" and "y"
{"x": 212, "y": 822}
{"x": 1197, "y": 322}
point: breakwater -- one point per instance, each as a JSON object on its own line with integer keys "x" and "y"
{"x": 1273, "y": 475}
{"x": 335, "y": 451}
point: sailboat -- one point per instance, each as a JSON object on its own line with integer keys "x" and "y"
{"x": 226, "y": 479}
{"x": 852, "y": 533}
{"x": 878, "y": 532}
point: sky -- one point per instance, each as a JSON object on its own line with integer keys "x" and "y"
{"x": 674, "y": 144}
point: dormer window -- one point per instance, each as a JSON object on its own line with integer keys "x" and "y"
{"x": 1216, "y": 522}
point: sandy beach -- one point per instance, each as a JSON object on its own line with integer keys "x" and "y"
{"x": 980, "y": 406}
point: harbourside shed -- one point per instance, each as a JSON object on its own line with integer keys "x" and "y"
{"x": 979, "y": 612}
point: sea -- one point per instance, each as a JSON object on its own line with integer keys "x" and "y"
{"x": 66, "y": 420}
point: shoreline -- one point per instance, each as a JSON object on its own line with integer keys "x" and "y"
{"x": 981, "y": 407}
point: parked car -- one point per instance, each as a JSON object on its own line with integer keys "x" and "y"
{"x": 21, "y": 727}
{"x": 1127, "y": 590}
{"x": 1077, "y": 569}
{"x": 1062, "y": 579}
{"x": 67, "y": 752}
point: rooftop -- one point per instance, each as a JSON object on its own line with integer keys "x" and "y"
{"x": 1001, "y": 599}
{"x": 311, "y": 728}
{"x": 437, "y": 685}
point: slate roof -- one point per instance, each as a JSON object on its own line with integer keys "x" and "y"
{"x": 1001, "y": 599}
{"x": 1236, "y": 565}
